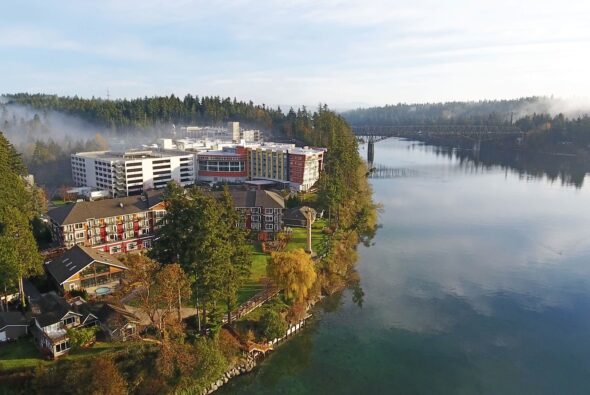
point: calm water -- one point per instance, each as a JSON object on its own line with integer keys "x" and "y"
{"x": 478, "y": 283}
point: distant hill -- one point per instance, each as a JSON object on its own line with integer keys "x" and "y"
{"x": 483, "y": 112}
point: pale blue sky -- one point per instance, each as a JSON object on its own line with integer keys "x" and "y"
{"x": 344, "y": 53}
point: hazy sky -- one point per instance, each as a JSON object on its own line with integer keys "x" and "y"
{"x": 344, "y": 53}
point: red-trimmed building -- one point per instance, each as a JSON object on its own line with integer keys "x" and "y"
{"x": 305, "y": 166}
{"x": 113, "y": 225}
{"x": 227, "y": 165}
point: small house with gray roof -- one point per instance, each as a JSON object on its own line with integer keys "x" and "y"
{"x": 86, "y": 268}
{"x": 13, "y": 324}
{"x": 52, "y": 316}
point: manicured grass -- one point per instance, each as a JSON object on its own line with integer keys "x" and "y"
{"x": 257, "y": 271}
{"x": 58, "y": 202}
{"x": 23, "y": 354}
{"x": 299, "y": 237}
{"x": 19, "y": 354}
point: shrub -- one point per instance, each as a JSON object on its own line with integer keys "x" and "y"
{"x": 78, "y": 292}
{"x": 81, "y": 337}
{"x": 273, "y": 325}
{"x": 228, "y": 344}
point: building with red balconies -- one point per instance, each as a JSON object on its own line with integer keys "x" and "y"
{"x": 113, "y": 225}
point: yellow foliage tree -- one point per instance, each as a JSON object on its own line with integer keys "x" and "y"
{"x": 293, "y": 271}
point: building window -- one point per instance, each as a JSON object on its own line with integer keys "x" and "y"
{"x": 268, "y": 218}
{"x": 256, "y": 218}
{"x": 115, "y": 249}
{"x": 69, "y": 321}
{"x": 269, "y": 226}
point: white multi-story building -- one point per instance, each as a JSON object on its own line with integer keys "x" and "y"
{"x": 233, "y": 128}
{"x": 132, "y": 172}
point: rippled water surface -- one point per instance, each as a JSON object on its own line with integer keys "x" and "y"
{"x": 478, "y": 283}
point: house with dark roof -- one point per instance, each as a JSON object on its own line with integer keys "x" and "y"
{"x": 297, "y": 216}
{"x": 87, "y": 311}
{"x": 86, "y": 268}
{"x": 260, "y": 210}
{"x": 52, "y": 316}
{"x": 117, "y": 323}
{"x": 13, "y": 324}
{"x": 112, "y": 225}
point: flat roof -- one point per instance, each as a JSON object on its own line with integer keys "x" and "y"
{"x": 260, "y": 182}
{"x": 130, "y": 155}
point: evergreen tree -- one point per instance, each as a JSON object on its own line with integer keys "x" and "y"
{"x": 19, "y": 255}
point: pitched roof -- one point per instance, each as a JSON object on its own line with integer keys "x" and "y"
{"x": 49, "y": 309}
{"x": 81, "y": 211}
{"x": 115, "y": 317}
{"x": 258, "y": 198}
{"x": 298, "y": 213}
{"x": 77, "y": 258}
{"x": 12, "y": 318}
{"x": 89, "y": 311}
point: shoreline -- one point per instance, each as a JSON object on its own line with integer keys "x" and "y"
{"x": 251, "y": 361}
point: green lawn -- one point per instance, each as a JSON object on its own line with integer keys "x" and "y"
{"x": 20, "y": 354}
{"x": 257, "y": 271}
{"x": 23, "y": 354}
{"x": 299, "y": 238}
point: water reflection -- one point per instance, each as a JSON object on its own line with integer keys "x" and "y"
{"x": 565, "y": 169}
{"x": 477, "y": 282}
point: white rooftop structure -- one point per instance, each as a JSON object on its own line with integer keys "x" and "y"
{"x": 133, "y": 171}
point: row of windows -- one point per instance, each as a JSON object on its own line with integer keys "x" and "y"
{"x": 221, "y": 166}
{"x": 62, "y": 346}
{"x": 258, "y": 226}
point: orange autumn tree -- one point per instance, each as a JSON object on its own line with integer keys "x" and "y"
{"x": 294, "y": 272}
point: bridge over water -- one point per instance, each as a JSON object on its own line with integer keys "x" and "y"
{"x": 475, "y": 134}
{"x": 385, "y": 172}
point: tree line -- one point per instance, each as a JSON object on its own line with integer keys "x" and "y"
{"x": 483, "y": 112}
{"x": 150, "y": 111}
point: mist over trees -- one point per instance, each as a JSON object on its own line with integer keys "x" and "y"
{"x": 484, "y": 112}
{"x": 118, "y": 115}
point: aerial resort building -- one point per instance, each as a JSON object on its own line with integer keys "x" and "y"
{"x": 117, "y": 225}
{"x": 190, "y": 160}
{"x": 132, "y": 172}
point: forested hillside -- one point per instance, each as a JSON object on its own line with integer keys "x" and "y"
{"x": 484, "y": 112}
{"x": 46, "y": 129}
{"x": 147, "y": 112}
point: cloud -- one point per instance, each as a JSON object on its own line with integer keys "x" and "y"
{"x": 302, "y": 52}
